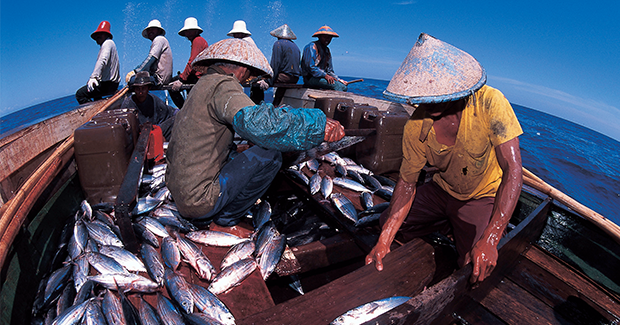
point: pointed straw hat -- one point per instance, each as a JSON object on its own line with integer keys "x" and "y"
{"x": 235, "y": 50}
{"x": 325, "y": 30}
{"x": 435, "y": 72}
{"x": 284, "y": 32}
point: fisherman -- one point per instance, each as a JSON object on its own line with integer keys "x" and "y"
{"x": 316, "y": 63}
{"x": 150, "y": 107}
{"x": 284, "y": 62}
{"x": 159, "y": 61}
{"x": 211, "y": 182}
{"x": 470, "y": 133}
{"x": 192, "y": 32}
{"x": 240, "y": 31}
{"x": 105, "y": 77}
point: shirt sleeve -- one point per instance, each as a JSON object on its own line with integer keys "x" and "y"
{"x": 414, "y": 153}
{"x": 309, "y": 60}
{"x": 102, "y": 60}
{"x": 157, "y": 47}
{"x": 281, "y": 128}
{"x": 198, "y": 45}
{"x": 503, "y": 122}
{"x": 276, "y": 58}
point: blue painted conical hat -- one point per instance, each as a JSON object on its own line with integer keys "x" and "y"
{"x": 435, "y": 72}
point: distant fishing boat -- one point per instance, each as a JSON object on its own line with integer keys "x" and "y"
{"x": 557, "y": 264}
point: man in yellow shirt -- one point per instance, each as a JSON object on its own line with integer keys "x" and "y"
{"x": 469, "y": 132}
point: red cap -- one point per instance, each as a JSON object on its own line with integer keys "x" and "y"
{"x": 104, "y": 27}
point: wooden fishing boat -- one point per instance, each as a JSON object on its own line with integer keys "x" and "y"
{"x": 555, "y": 265}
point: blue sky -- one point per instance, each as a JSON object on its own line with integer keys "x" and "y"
{"x": 557, "y": 57}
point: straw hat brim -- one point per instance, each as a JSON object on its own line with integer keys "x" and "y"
{"x": 435, "y": 72}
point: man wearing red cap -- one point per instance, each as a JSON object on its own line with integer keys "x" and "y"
{"x": 105, "y": 77}
{"x": 316, "y": 63}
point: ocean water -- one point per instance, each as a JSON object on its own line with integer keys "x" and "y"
{"x": 578, "y": 161}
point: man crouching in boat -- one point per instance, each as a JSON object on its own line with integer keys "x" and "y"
{"x": 210, "y": 182}
{"x": 469, "y": 132}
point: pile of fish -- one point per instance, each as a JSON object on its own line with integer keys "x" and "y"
{"x": 93, "y": 274}
{"x": 350, "y": 176}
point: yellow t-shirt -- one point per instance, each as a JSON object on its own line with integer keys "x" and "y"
{"x": 468, "y": 169}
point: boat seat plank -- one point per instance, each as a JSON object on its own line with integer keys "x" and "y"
{"x": 471, "y": 312}
{"x": 318, "y": 254}
{"x": 514, "y": 305}
{"x": 356, "y": 288}
{"x": 581, "y": 284}
{"x": 555, "y": 292}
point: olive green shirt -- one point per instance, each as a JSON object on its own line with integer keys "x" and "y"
{"x": 201, "y": 140}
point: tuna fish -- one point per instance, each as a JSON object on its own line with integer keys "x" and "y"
{"x": 208, "y": 303}
{"x": 369, "y": 311}
{"x": 232, "y": 276}
{"x": 214, "y": 238}
{"x": 344, "y": 205}
{"x": 179, "y": 290}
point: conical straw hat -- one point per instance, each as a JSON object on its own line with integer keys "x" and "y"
{"x": 435, "y": 72}
{"x": 284, "y": 32}
{"x": 234, "y": 50}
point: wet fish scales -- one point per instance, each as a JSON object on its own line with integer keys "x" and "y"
{"x": 232, "y": 276}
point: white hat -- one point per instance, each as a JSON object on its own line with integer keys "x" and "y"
{"x": 234, "y": 50}
{"x": 239, "y": 27}
{"x": 190, "y": 23}
{"x": 153, "y": 24}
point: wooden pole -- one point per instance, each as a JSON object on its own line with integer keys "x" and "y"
{"x": 18, "y": 207}
{"x": 605, "y": 224}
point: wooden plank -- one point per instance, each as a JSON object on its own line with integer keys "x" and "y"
{"x": 319, "y": 254}
{"x": 128, "y": 192}
{"x": 585, "y": 286}
{"x": 555, "y": 292}
{"x": 438, "y": 301}
{"x": 406, "y": 271}
{"x": 474, "y": 313}
{"x": 19, "y": 148}
{"x": 516, "y": 306}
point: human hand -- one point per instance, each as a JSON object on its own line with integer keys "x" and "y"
{"x": 330, "y": 80}
{"x": 92, "y": 83}
{"x": 334, "y": 131}
{"x": 129, "y": 75}
{"x": 484, "y": 258}
{"x": 263, "y": 84}
{"x": 176, "y": 85}
{"x": 377, "y": 254}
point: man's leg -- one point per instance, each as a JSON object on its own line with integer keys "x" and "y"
{"x": 427, "y": 213}
{"x": 321, "y": 83}
{"x": 468, "y": 220}
{"x": 243, "y": 180}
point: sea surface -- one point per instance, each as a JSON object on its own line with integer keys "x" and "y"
{"x": 578, "y": 161}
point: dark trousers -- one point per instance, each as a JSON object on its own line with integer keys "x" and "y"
{"x": 243, "y": 180}
{"x": 282, "y": 78}
{"x": 177, "y": 96}
{"x": 105, "y": 88}
{"x": 434, "y": 210}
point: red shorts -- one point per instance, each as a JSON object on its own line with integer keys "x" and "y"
{"x": 433, "y": 209}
